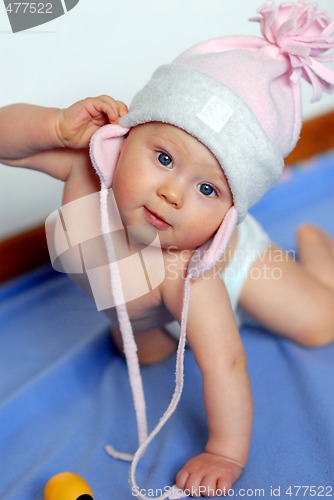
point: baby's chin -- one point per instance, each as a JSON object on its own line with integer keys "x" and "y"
{"x": 148, "y": 236}
{"x": 143, "y": 236}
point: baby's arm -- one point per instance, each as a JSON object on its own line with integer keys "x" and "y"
{"x": 44, "y": 138}
{"x": 215, "y": 341}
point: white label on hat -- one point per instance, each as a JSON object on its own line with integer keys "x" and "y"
{"x": 215, "y": 113}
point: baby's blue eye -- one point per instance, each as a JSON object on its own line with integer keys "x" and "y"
{"x": 207, "y": 189}
{"x": 164, "y": 159}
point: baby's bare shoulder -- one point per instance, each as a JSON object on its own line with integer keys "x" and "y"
{"x": 176, "y": 264}
{"x": 82, "y": 179}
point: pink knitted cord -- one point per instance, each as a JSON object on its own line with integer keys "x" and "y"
{"x": 179, "y": 378}
{"x": 130, "y": 347}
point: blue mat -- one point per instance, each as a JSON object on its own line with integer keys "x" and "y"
{"x": 64, "y": 391}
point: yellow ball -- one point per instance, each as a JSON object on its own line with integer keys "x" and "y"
{"x": 67, "y": 486}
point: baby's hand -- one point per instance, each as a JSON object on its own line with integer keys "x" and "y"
{"x": 77, "y": 124}
{"x": 208, "y": 475}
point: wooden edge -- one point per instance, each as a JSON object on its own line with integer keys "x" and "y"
{"x": 317, "y": 135}
{"x": 28, "y": 250}
{"x": 23, "y": 252}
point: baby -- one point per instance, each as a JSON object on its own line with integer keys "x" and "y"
{"x": 201, "y": 143}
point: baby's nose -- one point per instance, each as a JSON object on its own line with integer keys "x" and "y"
{"x": 172, "y": 193}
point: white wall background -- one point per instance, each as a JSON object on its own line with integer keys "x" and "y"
{"x": 103, "y": 46}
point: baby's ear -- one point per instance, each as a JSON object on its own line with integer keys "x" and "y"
{"x": 104, "y": 149}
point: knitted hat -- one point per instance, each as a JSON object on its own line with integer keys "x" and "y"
{"x": 240, "y": 97}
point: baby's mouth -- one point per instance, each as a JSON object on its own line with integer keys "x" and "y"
{"x": 155, "y": 219}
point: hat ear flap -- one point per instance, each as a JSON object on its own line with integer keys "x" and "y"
{"x": 105, "y": 148}
{"x": 212, "y": 250}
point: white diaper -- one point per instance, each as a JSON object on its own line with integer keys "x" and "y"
{"x": 252, "y": 242}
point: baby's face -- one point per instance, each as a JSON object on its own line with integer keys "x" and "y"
{"x": 168, "y": 180}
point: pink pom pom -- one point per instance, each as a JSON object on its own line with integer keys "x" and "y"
{"x": 302, "y": 33}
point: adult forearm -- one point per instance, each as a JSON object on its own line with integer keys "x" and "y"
{"x": 27, "y": 129}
